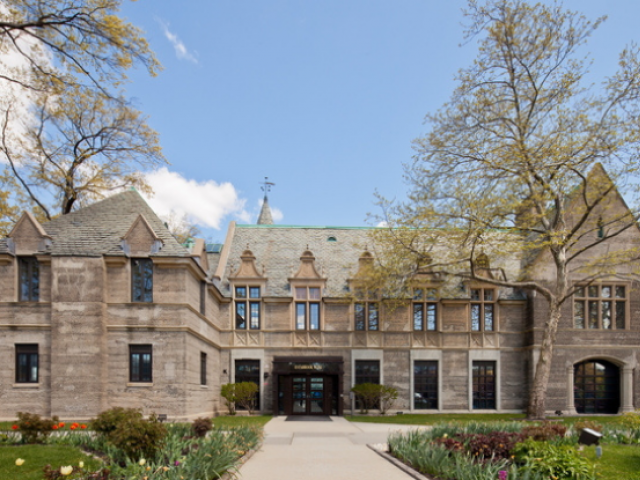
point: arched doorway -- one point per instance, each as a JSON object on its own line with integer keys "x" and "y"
{"x": 596, "y": 387}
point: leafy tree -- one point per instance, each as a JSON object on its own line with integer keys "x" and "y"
{"x": 68, "y": 133}
{"x": 81, "y": 145}
{"x": 368, "y": 395}
{"x": 521, "y": 166}
{"x": 228, "y": 392}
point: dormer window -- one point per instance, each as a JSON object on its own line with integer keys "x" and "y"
{"x": 142, "y": 280}
{"x": 307, "y": 308}
{"x": 29, "y": 273}
{"x": 247, "y": 303}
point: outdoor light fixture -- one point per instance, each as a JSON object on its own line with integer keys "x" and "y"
{"x": 589, "y": 437}
{"x": 266, "y": 375}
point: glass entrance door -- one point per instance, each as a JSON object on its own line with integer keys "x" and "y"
{"x": 308, "y": 395}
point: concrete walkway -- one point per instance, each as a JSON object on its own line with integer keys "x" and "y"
{"x": 317, "y": 450}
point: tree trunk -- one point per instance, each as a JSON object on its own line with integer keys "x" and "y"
{"x": 538, "y": 394}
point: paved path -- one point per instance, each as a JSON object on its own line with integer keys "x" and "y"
{"x": 317, "y": 450}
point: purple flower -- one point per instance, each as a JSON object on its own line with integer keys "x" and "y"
{"x": 177, "y": 462}
{"x": 502, "y": 475}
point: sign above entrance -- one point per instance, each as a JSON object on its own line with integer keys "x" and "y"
{"x": 319, "y": 367}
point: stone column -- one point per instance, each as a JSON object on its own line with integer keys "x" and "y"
{"x": 570, "y": 408}
{"x": 626, "y": 390}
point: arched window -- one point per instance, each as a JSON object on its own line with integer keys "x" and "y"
{"x": 596, "y": 387}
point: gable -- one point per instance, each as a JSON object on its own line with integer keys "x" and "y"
{"x": 27, "y": 236}
{"x": 141, "y": 240}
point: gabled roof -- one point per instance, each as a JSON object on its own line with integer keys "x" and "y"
{"x": 99, "y": 228}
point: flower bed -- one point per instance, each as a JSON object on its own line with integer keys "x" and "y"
{"x": 506, "y": 451}
{"x": 160, "y": 452}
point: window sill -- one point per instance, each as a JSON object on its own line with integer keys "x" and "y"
{"x": 140, "y": 384}
{"x": 34, "y": 386}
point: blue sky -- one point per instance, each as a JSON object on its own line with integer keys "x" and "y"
{"x": 322, "y": 96}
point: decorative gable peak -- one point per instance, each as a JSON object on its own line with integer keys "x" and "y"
{"x": 307, "y": 268}
{"x": 482, "y": 266}
{"x": 27, "y": 236}
{"x": 365, "y": 264}
{"x": 141, "y": 239}
{"x": 248, "y": 266}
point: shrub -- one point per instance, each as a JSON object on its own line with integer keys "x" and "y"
{"x": 562, "y": 462}
{"x": 127, "y": 430}
{"x": 545, "y": 431}
{"x": 228, "y": 392}
{"x": 631, "y": 420}
{"x": 493, "y": 446}
{"x": 578, "y": 426}
{"x": 369, "y": 395}
{"x": 34, "y": 428}
{"x": 245, "y": 394}
{"x": 201, "y": 426}
{"x": 388, "y": 397}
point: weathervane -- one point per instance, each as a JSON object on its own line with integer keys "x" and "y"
{"x": 266, "y": 188}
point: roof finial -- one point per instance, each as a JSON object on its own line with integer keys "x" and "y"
{"x": 265, "y": 217}
{"x": 266, "y": 187}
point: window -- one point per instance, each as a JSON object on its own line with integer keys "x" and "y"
{"x": 482, "y": 309}
{"x": 141, "y": 280}
{"x": 29, "y": 272}
{"x": 27, "y": 363}
{"x": 425, "y": 385}
{"x": 307, "y": 311}
{"x": 484, "y": 385}
{"x": 600, "y": 307}
{"x": 203, "y": 297}
{"x": 367, "y": 371}
{"x": 425, "y": 309}
{"x": 203, "y": 368}
{"x": 247, "y": 308}
{"x": 366, "y": 315}
{"x": 140, "y": 363}
{"x": 249, "y": 371}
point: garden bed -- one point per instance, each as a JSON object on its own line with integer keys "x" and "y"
{"x": 519, "y": 451}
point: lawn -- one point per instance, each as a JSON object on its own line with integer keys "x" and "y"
{"x": 432, "y": 419}
{"x": 36, "y": 457}
{"x": 618, "y": 462}
{"x": 228, "y": 421}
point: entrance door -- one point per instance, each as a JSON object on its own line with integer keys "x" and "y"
{"x": 596, "y": 387}
{"x": 309, "y": 395}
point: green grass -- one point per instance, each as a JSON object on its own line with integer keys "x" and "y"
{"x": 226, "y": 421}
{"x": 36, "y": 457}
{"x": 432, "y": 419}
{"x": 618, "y": 462}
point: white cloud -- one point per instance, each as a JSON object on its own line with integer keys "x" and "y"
{"x": 204, "y": 203}
{"x": 181, "y": 49}
{"x": 383, "y": 224}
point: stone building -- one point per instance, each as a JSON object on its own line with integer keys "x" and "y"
{"x": 103, "y": 307}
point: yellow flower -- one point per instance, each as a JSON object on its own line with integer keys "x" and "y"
{"x": 142, "y": 462}
{"x": 19, "y": 461}
{"x": 165, "y": 469}
{"x": 148, "y": 468}
{"x": 445, "y": 435}
{"x": 81, "y": 464}
{"x": 66, "y": 470}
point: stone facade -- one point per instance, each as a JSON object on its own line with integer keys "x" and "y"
{"x": 120, "y": 314}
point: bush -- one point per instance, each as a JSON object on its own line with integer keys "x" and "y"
{"x": 562, "y": 462}
{"x": 35, "y": 428}
{"x": 201, "y": 426}
{"x": 494, "y": 446}
{"x": 127, "y": 430}
{"x": 245, "y": 393}
{"x": 631, "y": 420}
{"x": 228, "y": 392}
{"x": 580, "y": 425}
{"x": 388, "y": 397}
{"x": 545, "y": 431}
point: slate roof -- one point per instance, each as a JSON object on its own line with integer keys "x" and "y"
{"x": 278, "y": 250}
{"x": 98, "y": 229}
